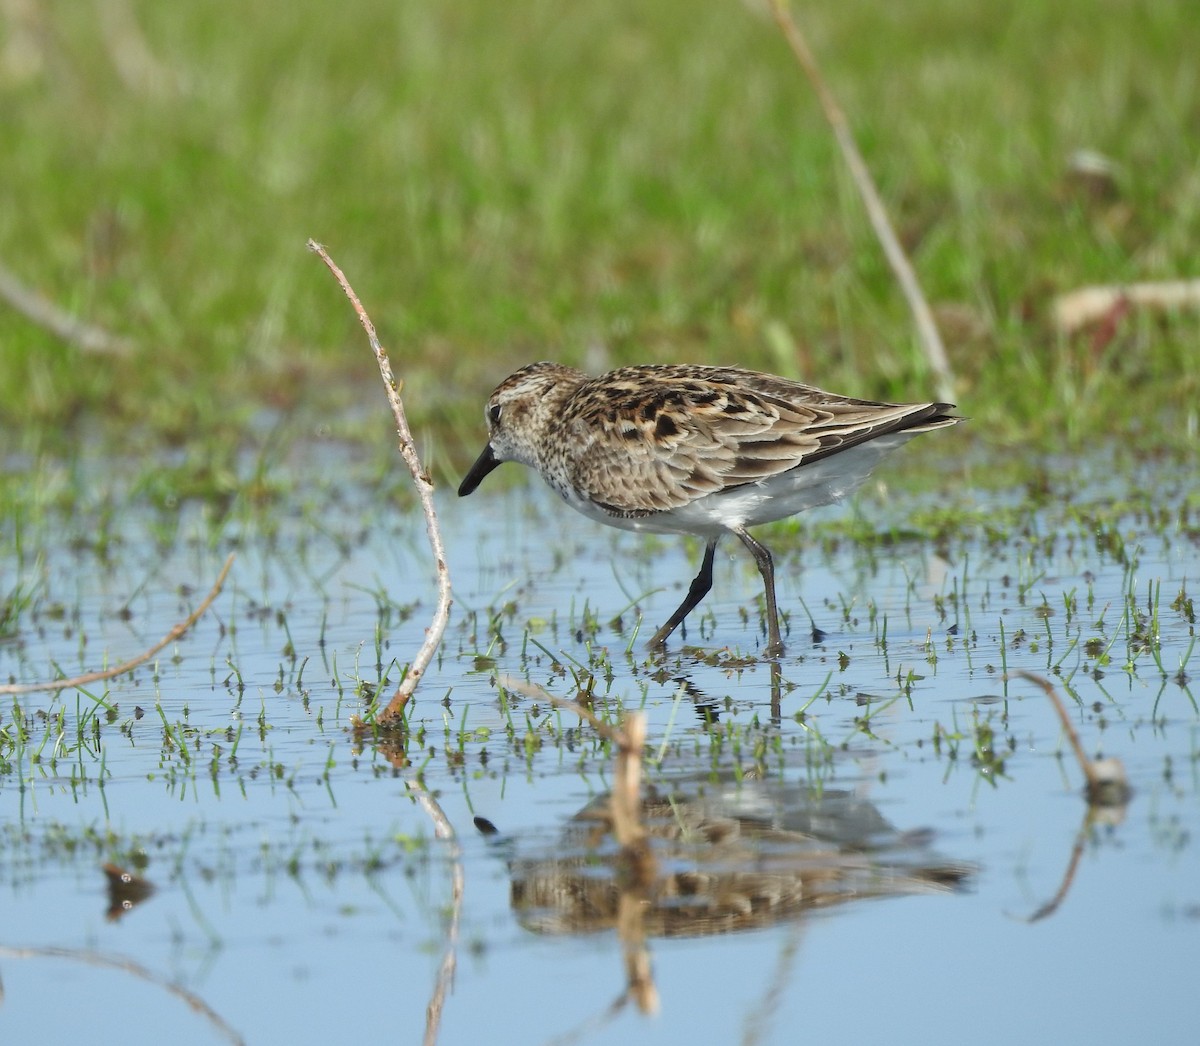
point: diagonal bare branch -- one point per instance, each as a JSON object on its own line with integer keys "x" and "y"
{"x": 127, "y": 666}
{"x": 408, "y": 450}
{"x": 931, "y": 340}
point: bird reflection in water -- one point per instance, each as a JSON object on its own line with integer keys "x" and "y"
{"x": 731, "y": 857}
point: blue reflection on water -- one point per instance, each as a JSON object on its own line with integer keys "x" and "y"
{"x": 299, "y": 888}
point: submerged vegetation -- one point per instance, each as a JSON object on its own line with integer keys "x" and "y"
{"x": 1056, "y": 587}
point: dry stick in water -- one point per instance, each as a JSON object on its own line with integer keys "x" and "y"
{"x": 1107, "y": 784}
{"x": 1107, "y": 793}
{"x": 132, "y": 663}
{"x": 408, "y": 451}
{"x": 626, "y": 802}
{"x": 433, "y": 636}
{"x": 931, "y": 340}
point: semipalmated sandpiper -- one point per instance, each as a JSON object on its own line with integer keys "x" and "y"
{"x": 693, "y": 450}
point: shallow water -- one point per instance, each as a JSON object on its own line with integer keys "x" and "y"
{"x": 857, "y": 849}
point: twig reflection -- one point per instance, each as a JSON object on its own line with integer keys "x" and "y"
{"x": 134, "y": 969}
{"x": 443, "y": 830}
{"x": 391, "y": 745}
{"x": 1107, "y": 792}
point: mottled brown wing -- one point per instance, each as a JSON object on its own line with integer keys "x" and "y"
{"x": 652, "y": 445}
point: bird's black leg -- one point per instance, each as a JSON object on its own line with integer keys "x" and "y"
{"x": 766, "y": 567}
{"x": 698, "y": 589}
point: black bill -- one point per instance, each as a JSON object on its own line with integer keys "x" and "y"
{"x": 485, "y": 463}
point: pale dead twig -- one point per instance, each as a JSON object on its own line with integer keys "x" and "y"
{"x": 630, "y": 739}
{"x": 43, "y": 312}
{"x": 127, "y": 666}
{"x": 1088, "y": 305}
{"x": 519, "y": 686}
{"x": 408, "y": 451}
{"x": 1107, "y": 783}
{"x": 927, "y": 331}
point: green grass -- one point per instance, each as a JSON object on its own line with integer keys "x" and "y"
{"x": 600, "y": 183}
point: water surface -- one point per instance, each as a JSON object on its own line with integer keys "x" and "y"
{"x": 887, "y": 842}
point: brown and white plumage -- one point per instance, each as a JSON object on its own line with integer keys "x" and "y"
{"x": 694, "y": 450}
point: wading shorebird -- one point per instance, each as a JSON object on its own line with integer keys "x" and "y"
{"x": 693, "y": 450}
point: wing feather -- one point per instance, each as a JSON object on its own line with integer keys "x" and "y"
{"x": 648, "y": 439}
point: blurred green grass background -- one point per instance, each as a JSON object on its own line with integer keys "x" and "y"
{"x": 596, "y": 183}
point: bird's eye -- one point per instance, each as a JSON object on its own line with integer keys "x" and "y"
{"x": 493, "y": 413}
